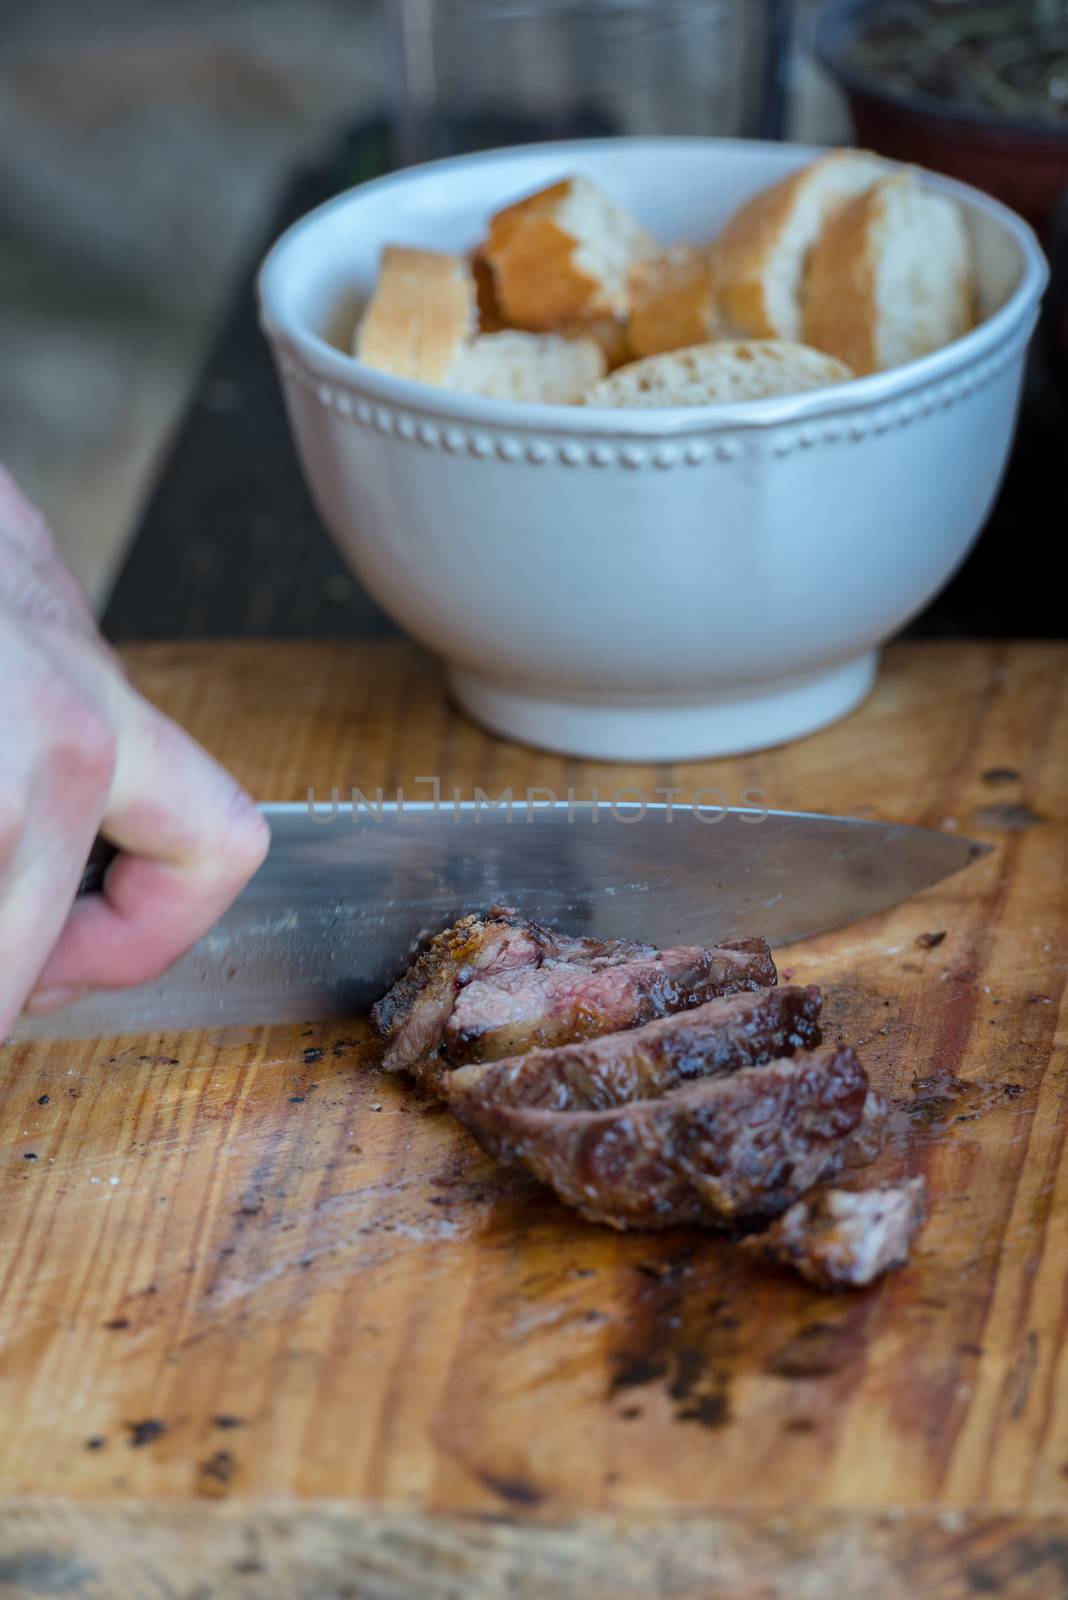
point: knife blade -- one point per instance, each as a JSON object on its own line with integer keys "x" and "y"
{"x": 333, "y": 915}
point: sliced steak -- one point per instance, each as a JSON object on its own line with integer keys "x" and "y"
{"x": 412, "y": 1016}
{"x": 728, "y": 1150}
{"x": 844, "y": 1239}
{"x": 496, "y": 985}
{"x": 721, "y": 1036}
{"x": 503, "y": 1014}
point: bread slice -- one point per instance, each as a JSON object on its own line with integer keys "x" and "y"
{"x": 541, "y": 368}
{"x": 760, "y": 256}
{"x": 488, "y": 311}
{"x": 891, "y": 277}
{"x": 607, "y": 332}
{"x": 563, "y": 253}
{"x": 674, "y": 302}
{"x": 420, "y": 315}
{"x": 718, "y": 374}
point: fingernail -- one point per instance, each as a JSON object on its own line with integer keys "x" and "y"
{"x": 61, "y": 994}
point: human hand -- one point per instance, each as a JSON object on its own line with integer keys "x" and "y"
{"x": 81, "y": 753}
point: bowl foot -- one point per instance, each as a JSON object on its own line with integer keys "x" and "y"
{"x": 726, "y": 724}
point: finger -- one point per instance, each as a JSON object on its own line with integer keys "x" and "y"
{"x": 42, "y": 591}
{"x": 26, "y": 942}
{"x": 28, "y": 552}
{"x": 191, "y": 840}
{"x": 26, "y": 533}
{"x": 49, "y": 813}
{"x": 67, "y": 588}
{"x": 21, "y": 522}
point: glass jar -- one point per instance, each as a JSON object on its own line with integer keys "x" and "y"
{"x": 471, "y": 74}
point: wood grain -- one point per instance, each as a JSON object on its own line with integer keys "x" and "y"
{"x": 385, "y": 1368}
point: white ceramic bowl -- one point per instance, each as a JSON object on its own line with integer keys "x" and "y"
{"x": 642, "y": 585}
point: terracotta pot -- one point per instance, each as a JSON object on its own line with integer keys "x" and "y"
{"x": 1024, "y": 163}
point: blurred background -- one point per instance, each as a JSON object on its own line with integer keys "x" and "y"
{"x": 143, "y": 145}
{"x": 149, "y": 150}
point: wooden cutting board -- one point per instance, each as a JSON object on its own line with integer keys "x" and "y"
{"x": 272, "y": 1325}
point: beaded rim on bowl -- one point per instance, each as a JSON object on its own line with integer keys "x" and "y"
{"x": 534, "y": 449}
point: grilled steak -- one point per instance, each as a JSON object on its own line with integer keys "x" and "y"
{"x": 411, "y": 1018}
{"x": 497, "y": 985}
{"x": 713, "y": 1039}
{"x": 843, "y": 1239}
{"x": 503, "y": 1014}
{"x": 732, "y": 1149}
{"x": 654, "y": 1087}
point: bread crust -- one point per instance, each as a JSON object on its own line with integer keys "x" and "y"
{"x": 742, "y": 252}
{"x": 839, "y": 313}
{"x": 745, "y": 252}
{"x": 537, "y": 282}
{"x": 490, "y": 318}
{"x": 420, "y": 315}
{"x": 608, "y": 332}
{"x": 674, "y": 302}
{"x": 845, "y": 307}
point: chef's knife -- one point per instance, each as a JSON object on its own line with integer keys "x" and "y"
{"x": 333, "y": 914}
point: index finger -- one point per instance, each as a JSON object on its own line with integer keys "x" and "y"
{"x": 190, "y": 839}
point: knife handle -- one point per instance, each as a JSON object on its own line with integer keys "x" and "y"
{"x": 101, "y": 856}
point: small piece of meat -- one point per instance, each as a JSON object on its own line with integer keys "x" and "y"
{"x": 495, "y": 985}
{"x": 504, "y": 1014}
{"x": 719, "y": 1037}
{"x": 844, "y": 1239}
{"x": 727, "y": 1150}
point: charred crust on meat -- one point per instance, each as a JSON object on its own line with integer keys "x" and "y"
{"x": 723, "y": 1150}
{"x": 720, "y": 1037}
{"x": 494, "y": 985}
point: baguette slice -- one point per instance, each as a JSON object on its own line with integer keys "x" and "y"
{"x": 716, "y": 374}
{"x": 563, "y": 253}
{"x": 674, "y": 302}
{"x": 891, "y": 278}
{"x": 607, "y": 332}
{"x": 760, "y": 256}
{"x": 545, "y": 368}
{"x": 421, "y": 314}
{"x": 489, "y": 315}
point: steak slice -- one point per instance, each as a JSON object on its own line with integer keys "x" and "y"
{"x": 727, "y": 1150}
{"x": 506, "y": 1013}
{"x": 412, "y": 1016}
{"x": 713, "y": 1039}
{"x": 844, "y": 1239}
{"x": 496, "y": 985}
